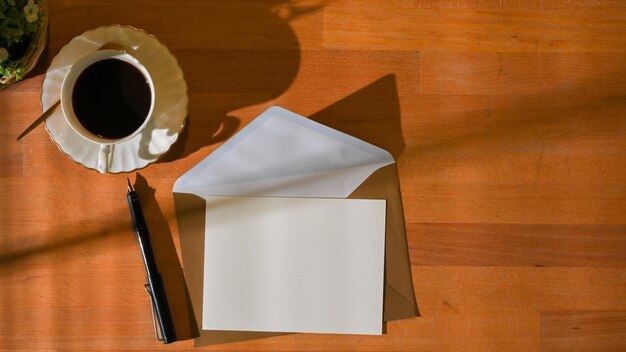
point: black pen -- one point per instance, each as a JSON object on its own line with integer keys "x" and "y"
{"x": 154, "y": 285}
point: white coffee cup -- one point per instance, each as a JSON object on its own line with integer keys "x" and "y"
{"x": 67, "y": 88}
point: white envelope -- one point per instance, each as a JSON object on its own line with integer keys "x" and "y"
{"x": 282, "y": 154}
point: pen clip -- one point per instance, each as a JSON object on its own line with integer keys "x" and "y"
{"x": 154, "y": 320}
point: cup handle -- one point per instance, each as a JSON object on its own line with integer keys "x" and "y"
{"x": 103, "y": 158}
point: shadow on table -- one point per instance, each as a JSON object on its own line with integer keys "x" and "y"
{"x": 167, "y": 260}
{"x": 236, "y": 73}
{"x": 372, "y": 114}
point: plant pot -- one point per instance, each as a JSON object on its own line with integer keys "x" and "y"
{"x": 34, "y": 49}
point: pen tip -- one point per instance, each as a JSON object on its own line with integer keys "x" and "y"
{"x": 130, "y": 188}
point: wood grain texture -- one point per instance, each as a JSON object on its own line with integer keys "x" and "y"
{"x": 583, "y": 331}
{"x": 507, "y": 120}
{"x": 406, "y": 25}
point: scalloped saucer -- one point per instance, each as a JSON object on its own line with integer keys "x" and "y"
{"x": 170, "y": 109}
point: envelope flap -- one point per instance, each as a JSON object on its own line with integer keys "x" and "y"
{"x": 284, "y": 154}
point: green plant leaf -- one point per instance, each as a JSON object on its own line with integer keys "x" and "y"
{"x": 18, "y": 73}
{"x": 6, "y": 71}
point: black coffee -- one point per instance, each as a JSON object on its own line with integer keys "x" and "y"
{"x": 111, "y": 98}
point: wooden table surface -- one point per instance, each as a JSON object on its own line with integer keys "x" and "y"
{"x": 507, "y": 119}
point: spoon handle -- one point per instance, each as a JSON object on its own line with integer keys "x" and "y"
{"x": 53, "y": 108}
{"x": 41, "y": 119}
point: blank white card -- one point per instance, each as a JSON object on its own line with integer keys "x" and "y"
{"x": 294, "y": 265}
